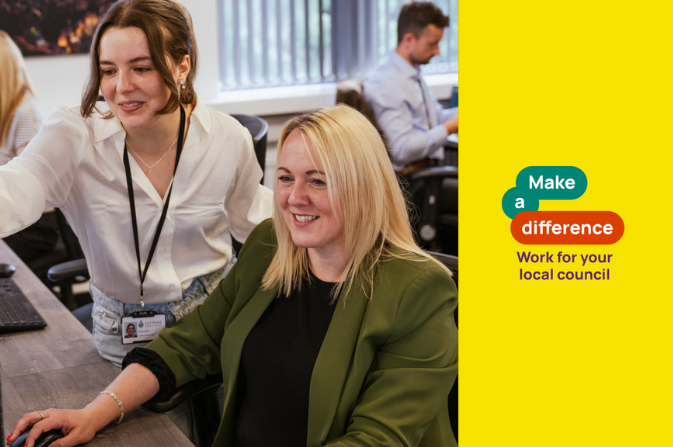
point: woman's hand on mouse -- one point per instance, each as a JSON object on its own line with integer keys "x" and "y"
{"x": 78, "y": 426}
{"x": 134, "y": 386}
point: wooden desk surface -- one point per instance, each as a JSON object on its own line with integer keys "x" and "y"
{"x": 59, "y": 367}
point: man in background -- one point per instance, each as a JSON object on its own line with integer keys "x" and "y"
{"x": 415, "y": 125}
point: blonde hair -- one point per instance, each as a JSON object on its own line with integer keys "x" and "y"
{"x": 373, "y": 209}
{"x": 14, "y": 82}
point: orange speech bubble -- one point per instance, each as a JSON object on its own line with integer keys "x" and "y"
{"x": 567, "y": 227}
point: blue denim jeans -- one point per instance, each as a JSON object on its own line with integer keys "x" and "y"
{"x": 107, "y": 313}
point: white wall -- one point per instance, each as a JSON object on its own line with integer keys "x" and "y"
{"x": 58, "y": 80}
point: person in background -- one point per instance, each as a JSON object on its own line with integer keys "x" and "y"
{"x": 333, "y": 328}
{"x": 20, "y": 119}
{"x": 415, "y": 124}
{"x": 153, "y": 182}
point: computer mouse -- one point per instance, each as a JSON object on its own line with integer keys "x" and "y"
{"x": 43, "y": 440}
{"x": 7, "y": 270}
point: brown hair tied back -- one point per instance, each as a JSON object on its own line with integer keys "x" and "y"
{"x": 170, "y": 35}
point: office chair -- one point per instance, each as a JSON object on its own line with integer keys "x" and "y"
{"x": 202, "y": 397}
{"x": 434, "y": 189}
{"x": 451, "y": 153}
{"x": 66, "y": 249}
{"x": 258, "y": 129}
{"x": 65, "y": 272}
{"x": 452, "y": 263}
{"x": 74, "y": 253}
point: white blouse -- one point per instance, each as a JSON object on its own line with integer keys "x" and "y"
{"x": 76, "y": 164}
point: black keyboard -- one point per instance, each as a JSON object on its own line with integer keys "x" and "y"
{"x": 16, "y": 312}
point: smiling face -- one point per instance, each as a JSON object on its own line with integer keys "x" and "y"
{"x": 303, "y": 199}
{"x": 134, "y": 90}
{"x": 130, "y": 330}
{"x": 426, "y": 46}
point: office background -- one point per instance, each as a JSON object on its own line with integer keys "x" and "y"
{"x": 59, "y": 79}
{"x": 254, "y": 60}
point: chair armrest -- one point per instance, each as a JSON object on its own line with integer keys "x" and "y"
{"x": 430, "y": 180}
{"x": 451, "y": 145}
{"x": 68, "y": 270}
{"x": 185, "y": 392}
{"x": 435, "y": 173}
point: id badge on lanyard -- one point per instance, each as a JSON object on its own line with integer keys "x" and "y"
{"x": 145, "y": 325}
{"x": 142, "y": 326}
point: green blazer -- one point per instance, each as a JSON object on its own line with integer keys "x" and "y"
{"x": 384, "y": 370}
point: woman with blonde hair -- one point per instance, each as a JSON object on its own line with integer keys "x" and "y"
{"x": 20, "y": 115}
{"x": 20, "y": 119}
{"x": 333, "y": 328}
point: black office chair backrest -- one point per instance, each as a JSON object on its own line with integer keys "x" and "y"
{"x": 70, "y": 241}
{"x": 259, "y": 129}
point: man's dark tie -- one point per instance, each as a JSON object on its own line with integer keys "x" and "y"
{"x": 425, "y": 104}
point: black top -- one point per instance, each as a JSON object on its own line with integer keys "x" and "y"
{"x": 274, "y": 375}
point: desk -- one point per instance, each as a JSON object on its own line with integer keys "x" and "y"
{"x": 59, "y": 367}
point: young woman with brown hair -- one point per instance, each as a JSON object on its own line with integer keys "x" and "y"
{"x": 152, "y": 181}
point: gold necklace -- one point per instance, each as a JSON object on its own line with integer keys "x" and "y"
{"x": 158, "y": 161}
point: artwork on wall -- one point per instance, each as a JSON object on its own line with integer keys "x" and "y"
{"x": 52, "y": 27}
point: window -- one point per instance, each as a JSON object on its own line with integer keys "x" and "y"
{"x": 267, "y": 43}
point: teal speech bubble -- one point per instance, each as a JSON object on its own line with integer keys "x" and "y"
{"x": 516, "y": 200}
{"x": 552, "y": 182}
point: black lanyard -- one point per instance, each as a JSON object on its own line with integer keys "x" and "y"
{"x": 129, "y": 183}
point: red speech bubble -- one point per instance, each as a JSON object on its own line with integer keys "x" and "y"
{"x": 567, "y": 227}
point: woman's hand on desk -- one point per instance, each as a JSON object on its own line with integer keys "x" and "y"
{"x": 134, "y": 386}
{"x": 77, "y": 425}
